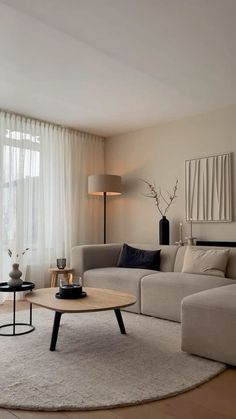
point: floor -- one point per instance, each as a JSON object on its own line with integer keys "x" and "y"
{"x": 213, "y": 400}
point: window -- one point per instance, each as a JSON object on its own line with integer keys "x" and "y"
{"x": 21, "y": 171}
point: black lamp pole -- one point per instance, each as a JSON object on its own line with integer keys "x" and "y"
{"x": 105, "y": 216}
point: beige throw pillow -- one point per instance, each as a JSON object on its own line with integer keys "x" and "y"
{"x": 206, "y": 262}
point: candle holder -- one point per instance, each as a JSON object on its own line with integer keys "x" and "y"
{"x": 180, "y": 242}
{"x": 61, "y": 263}
{"x": 70, "y": 291}
{"x": 190, "y": 241}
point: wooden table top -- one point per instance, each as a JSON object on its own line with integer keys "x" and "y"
{"x": 60, "y": 271}
{"x": 98, "y": 299}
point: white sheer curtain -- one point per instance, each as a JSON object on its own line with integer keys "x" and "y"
{"x": 43, "y": 188}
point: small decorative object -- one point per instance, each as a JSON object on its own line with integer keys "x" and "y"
{"x": 77, "y": 281}
{"x": 70, "y": 291}
{"x": 61, "y": 263}
{"x": 190, "y": 239}
{"x": 160, "y": 199}
{"x": 15, "y": 274}
{"x": 180, "y": 242}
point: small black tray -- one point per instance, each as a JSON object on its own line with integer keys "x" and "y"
{"x": 84, "y": 294}
{"x": 5, "y": 287}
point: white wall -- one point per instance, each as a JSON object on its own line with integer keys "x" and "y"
{"x": 158, "y": 154}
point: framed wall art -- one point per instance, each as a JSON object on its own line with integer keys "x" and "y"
{"x": 208, "y": 189}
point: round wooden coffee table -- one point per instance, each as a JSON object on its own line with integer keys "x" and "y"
{"x": 97, "y": 299}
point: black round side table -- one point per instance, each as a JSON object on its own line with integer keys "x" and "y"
{"x": 26, "y": 286}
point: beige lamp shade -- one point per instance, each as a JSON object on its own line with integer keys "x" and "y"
{"x": 98, "y": 184}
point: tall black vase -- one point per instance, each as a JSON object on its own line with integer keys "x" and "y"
{"x": 164, "y": 231}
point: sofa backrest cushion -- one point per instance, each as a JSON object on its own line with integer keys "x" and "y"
{"x": 230, "y": 268}
{"x": 205, "y": 262}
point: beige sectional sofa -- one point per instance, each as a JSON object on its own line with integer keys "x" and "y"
{"x": 205, "y": 304}
{"x": 158, "y": 294}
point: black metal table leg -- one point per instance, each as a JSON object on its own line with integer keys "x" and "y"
{"x": 56, "y": 325}
{"x": 26, "y": 286}
{"x": 30, "y": 314}
{"x": 120, "y": 321}
{"x": 14, "y": 313}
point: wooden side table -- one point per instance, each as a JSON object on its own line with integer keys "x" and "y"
{"x": 67, "y": 272}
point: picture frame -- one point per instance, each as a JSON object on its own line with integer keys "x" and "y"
{"x": 208, "y": 193}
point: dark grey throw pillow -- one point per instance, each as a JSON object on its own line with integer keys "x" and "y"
{"x": 130, "y": 257}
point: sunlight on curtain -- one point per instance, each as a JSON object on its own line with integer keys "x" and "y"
{"x": 45, "y": 205}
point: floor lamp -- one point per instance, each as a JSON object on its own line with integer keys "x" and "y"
{"x": 104, "y": 185}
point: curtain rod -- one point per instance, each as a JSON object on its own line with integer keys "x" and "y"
{"x": 50, "y": 123}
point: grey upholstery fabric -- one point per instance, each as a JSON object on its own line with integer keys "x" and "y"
{"x": 121, "y": 279}
{"x": 162, "y": 293}
{"x": 94, "y": 256}
{"x": 209, "y": 324}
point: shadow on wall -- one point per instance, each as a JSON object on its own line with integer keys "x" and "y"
{"x": 233, "y": 187}
{"x": 132, "y": 182}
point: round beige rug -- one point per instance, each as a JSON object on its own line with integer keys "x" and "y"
{"x": 95, "y": 366}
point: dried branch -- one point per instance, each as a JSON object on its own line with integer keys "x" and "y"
{"x": 9, "y": 253}
{"x": 17, "y": 254}
{"x": 164, "y": 199}
{"x": 157, "y": 195}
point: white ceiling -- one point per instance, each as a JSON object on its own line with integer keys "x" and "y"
{"x": 111, "y": 66}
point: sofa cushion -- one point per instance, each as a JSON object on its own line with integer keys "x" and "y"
{"x": 209, "y": 323}
{"x": 120, "y": 279}
{"x": 205, "y": 262}
{"x": 162, "y": 293}
{"x": 167, "y": 257}
{"x": 131, "y": 257}
{"x": 230, "y": 268}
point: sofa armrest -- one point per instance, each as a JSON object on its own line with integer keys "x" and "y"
{"x": 86, "y": 257}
